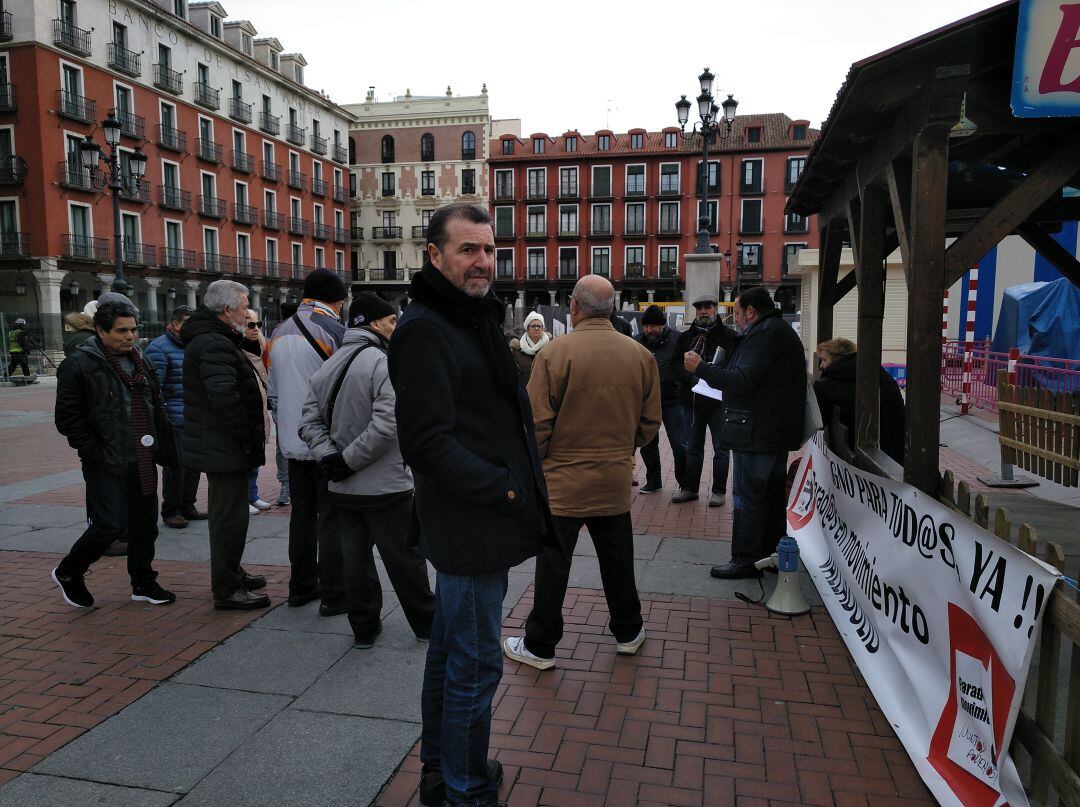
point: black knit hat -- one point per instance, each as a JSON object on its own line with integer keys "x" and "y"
{"x": 324, "y": 286}
{"x": 654, "y": 315}
{"x": 366, "y": 308}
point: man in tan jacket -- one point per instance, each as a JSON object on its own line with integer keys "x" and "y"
{"x": 596, "y": 398}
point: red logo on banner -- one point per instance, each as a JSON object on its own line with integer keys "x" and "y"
{"x": 801, "y": 509}
{"x": 967, "y": 743}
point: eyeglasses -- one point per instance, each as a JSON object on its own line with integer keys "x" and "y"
{"x": 253, "y": 325}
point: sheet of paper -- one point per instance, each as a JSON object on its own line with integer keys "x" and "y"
{"x": 701, "y": 388}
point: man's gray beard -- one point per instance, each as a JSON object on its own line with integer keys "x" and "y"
{"x": 706, "y": 322}
{"x": 476, "y": 294}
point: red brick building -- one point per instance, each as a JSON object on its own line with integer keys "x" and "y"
{"x": 247, "y": 166}
{"x": 626, "y": 206}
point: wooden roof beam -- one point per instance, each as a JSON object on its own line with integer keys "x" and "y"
{"x": 1009, "y": 213}
{"x": 1058, "y": 257}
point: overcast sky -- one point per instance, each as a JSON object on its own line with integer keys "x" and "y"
{"x": 591, "y": 64}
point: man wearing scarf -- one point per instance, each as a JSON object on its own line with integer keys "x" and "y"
{"x": 530, "y": 343}
{"x": 706, "y": 336}
{"x": 465, "y": 427}
{"x": 110, "y": 409}
{"x": 660, "y": 340}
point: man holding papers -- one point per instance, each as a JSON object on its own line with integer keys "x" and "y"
{"x": 764, "y": 386}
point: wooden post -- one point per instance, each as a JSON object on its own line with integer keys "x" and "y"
{"x": 828, "y": 268}
{"x": 929, "y": 179}
{"x": 871, "y": 279}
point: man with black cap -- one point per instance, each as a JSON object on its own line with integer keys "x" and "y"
{"x": 710, "y": 339}
{"x": 299, "y": 347}
{"x": 660, "y": 340}
{"x": 349, "y": 425}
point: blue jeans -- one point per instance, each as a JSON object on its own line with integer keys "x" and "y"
{"x": 759, "y": 521}
{"x": 464, "y": 665}
{"x": 253, "y": 484}
{"x": 672, "y": 414}
{"x": 697, "y": 419}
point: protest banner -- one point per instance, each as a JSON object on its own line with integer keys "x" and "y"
{"x": 940, "y": 616}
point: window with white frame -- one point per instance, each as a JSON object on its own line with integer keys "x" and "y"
{"x": 504, "y": 221}
{"x": 603, "y": 142}
{"x": 714, "y": 177}
{"x": 795, "y": 166}
{"x": 601, "y": 181}
{"x": 635, "y": 218}
{"x": 668, "y": 265}
{"x": 750, "y": 223}
{"x": 750, "y": 257}
{"x": 795, "y": 223}
{"x": 320, "y": 258}
{"x": 567, "y": 262}
{"x": 568, "y": 219}
{"x": 751, "y": 176}
{"x": 538, "y": 145}
{"x": 710, "y": 212}
{"x": 568, "y": 182}
{"x": 601, "y": 219}
{"x": 537, "y": 183}
{"x": 537, "y": 221}
{"x": 635, "y": 259}
{"x": 601, "y": 261}
{"x": 635, "y": 180}
{"x": 504, "y": 184}
{"x": 791, "y": 257}
{"x": 637, "y": 140}
{"x": 504, "y": 263}
{"x": 669, "y": 178}
{"x": 536, "y": 262}
{"x": 571, "y": 143}
{"x": 669, "y": 218}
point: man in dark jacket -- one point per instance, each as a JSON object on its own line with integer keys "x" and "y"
{"x": 465, "y": 428}
{"x": 661, "y": 341}
{"x": 764, "y": 386}
{"x": 223, "y": 434}
{"x": 179, "y": 486}
{"x": 109, "y": 408}
{"x": 710, "y": 339}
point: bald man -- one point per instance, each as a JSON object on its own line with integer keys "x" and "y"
{"x": 596, "y": 398}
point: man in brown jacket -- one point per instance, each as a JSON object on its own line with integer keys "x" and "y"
{"x": 596, "y": 398}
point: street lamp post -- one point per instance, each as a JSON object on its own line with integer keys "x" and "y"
{"x": 92, "y": 156}
{"x": 711, "y": 117}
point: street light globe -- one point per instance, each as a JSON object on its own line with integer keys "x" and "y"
{"x": 704, "y": 104}
{"x": 89, "y": 152}
{"x": 729, "y": 106}
{"x": 706, "y": 80}
{"x": 137, "y": 163}
{"x": 682, "y": 107}
{"x": 111, "y": 127}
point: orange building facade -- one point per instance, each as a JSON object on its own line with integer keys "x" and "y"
{"x": 247, "y": 171}
{"x": 625, "y": 205}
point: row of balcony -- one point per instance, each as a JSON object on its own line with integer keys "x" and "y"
{"x": 572, "y": 194}
{"x": 633, "y": 271}
{"x": 99, "y": 250}
{"x": 636, "y": 230}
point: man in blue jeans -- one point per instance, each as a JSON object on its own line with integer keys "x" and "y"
{"x": 465, "y": 428}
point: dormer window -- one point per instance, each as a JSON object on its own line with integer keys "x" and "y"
{"x": 538, "y": 145}
{"x": 274, "y": 63}
{"x": 179, "y": 9}
{"x": 636, "y": 140}
{"x": 571, "y": 144}
{"x": 753, "y": 134}
{"x": 508, "y": 147}
{"x": 298, "y": 74}
{"x": 671, "y": 140}
{"x": 215, "y": 27}
{"x": 798, "y": 131}
{"x": 246, "y": 44}
{"x": 603, "y": 142}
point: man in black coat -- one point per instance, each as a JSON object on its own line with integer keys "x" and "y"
{"x": 662, "y": 341}
{"x": 710, "y": 339}
{"x": 110, "y": 409}
{"x": 764, "y": 386}
{"x": 223, "y": 434}
{"x": 465, "y": 428}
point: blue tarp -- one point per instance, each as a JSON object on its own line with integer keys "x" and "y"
{"x": 1017, "y": 307}
{"x": 1042, "y": 319}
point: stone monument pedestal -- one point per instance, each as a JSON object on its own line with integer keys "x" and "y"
{"x": 702, "y": 277}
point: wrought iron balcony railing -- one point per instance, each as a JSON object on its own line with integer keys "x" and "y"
{"x": 340, "y": 194}
{"x": 135, "y": 190}
{"x": 74, "y": 175}
{"x": 273, "y": 220}
{"x": 271, "y": 172}
{"x": 356, "y": 233}
{"x": 419, "y": 231}
{"x": 171, "y": 138}
{"x": 271, "y": 124}
{"x": 124, "y": 60}
{"x": 568, "y": 193}
{"x": 174, "y": 198}
{"x": 385, "y": 233}
{"x": 240, "y": 111}
{"x": 298, "y": 226}
{"x": 207, "y": 96}
{"x": 319, "y": 187}
{"x": 139, "y": 253}
{"x": 75, "y": 106}
{"x": 130, "y": 124}
{"x": 318, "y": 144}
{"x": 385, "y": 274}
{"x": 537, "y": 273}
{"x": 7, "y": 98}
{"x": 340, "y": 154}
{"x": 295, "y": 134}
{"x": 297, "y": 179}
{"x": 244, "y": 214}
{"x": 5, "y": 27}
{"x": 71, "y": 38}
{"x": 253, "y": 267}
{"x": 176, "y": 258}
{"x": 12, "y": 169}
{"x": 84, "y": 247}
{"x": 320, "y": 231}
{"x": 212, "y": 206}
{"x": 14, "y": 244}
{"x": 165, "y": 78}
{"x": 209, "y": 150}
{"x": 242, "y": 161}
{"x": 634, "y": 271}
{"x": 341, "y": 235}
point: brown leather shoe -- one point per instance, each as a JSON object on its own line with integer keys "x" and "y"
{"x": 195, "y": 515}
{"x": 177, "y": 522}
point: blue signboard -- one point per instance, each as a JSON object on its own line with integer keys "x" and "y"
{"x": 1046, "y": 65}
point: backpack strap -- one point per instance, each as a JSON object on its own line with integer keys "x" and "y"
{"x": 332, "y": 402}
{"x": 311, "y": 339}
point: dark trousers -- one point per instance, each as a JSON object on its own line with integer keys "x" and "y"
{"x": 464, "y": 665}
{"x": 314, "y": 542}
{"x": 387, "y": 528}
{"x": 650, "y": 452}
{"x": 759, "y": 520}
{"x": 22, "y": 361}
{"x": 613, "y": 538}
{"x": 116, "y": 510}
{"x": 697, "y": 419}
{"x": 179, "y": 486}
{"x": 227, "y": 514}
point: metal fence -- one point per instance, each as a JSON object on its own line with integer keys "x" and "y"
{"x": 973, "y": 372}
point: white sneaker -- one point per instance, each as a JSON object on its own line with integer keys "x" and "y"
{"x": 253, "y": 510}
{"x": 514, "y": 648}
{"x": 259, "y": 503}
{"x": 631, "y": 647}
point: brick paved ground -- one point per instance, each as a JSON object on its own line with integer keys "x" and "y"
{"x": 724, "y": 705}
{"x": 64, "y": 670}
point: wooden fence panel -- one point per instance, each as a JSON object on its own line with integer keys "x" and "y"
{"x": 1039, "y": 431}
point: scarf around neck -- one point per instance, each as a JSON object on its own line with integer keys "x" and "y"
{"x": 483, "y": 315}
{"x": 142, "y": 423}
{"x": 527, "y": 345}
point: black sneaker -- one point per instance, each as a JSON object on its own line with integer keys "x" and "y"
{"x": 649, "y": 487}
{"x": 75, "y": 592}
{"x": 298, "y": 600}
{"x": 152, "y": 593}
{"x": 433, "y": 791}
{"x": 366, "y": 641}
{"x": 332, "y": 610}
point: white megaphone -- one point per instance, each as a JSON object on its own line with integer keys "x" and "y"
{"x": 786, "y": 597}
